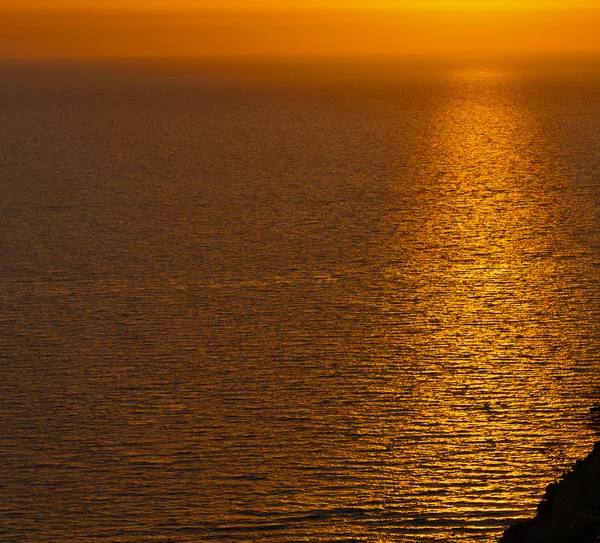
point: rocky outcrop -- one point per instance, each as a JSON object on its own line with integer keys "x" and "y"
{"x": 569, "y": 511}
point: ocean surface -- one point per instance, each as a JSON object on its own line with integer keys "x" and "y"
{"x": 274, "y": 301}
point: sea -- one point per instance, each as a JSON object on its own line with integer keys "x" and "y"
{"x": 302, "y": 300}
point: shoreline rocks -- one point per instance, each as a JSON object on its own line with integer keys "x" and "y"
{"x": 569, "y": 511}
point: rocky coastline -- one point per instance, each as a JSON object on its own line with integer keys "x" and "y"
{"x": 569, "y": 511}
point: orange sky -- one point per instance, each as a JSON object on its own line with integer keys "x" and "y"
{"x": 295, "y": 5}
{"x": 80, "y": 28}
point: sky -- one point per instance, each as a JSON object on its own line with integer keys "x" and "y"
{"x": 109, "y": 28}
{"x": 295, "y": 5}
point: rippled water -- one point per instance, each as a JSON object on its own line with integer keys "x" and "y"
{"x": 336, "y": 302}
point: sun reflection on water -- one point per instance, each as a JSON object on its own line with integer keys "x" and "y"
{"x": 496, "y": 319}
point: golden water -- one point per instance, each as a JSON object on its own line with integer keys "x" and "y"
{"x": 338, "y": 303}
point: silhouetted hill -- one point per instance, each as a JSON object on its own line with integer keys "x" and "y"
{"x": 569, "y": 511}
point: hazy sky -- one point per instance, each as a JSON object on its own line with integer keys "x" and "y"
{"x": 401, "y": 5}
{"x": 82, "y": 28}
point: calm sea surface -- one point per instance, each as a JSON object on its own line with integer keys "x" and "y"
{"x": 346, "y": 301}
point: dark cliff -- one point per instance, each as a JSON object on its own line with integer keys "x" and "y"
{"x": 569, "y": 511}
